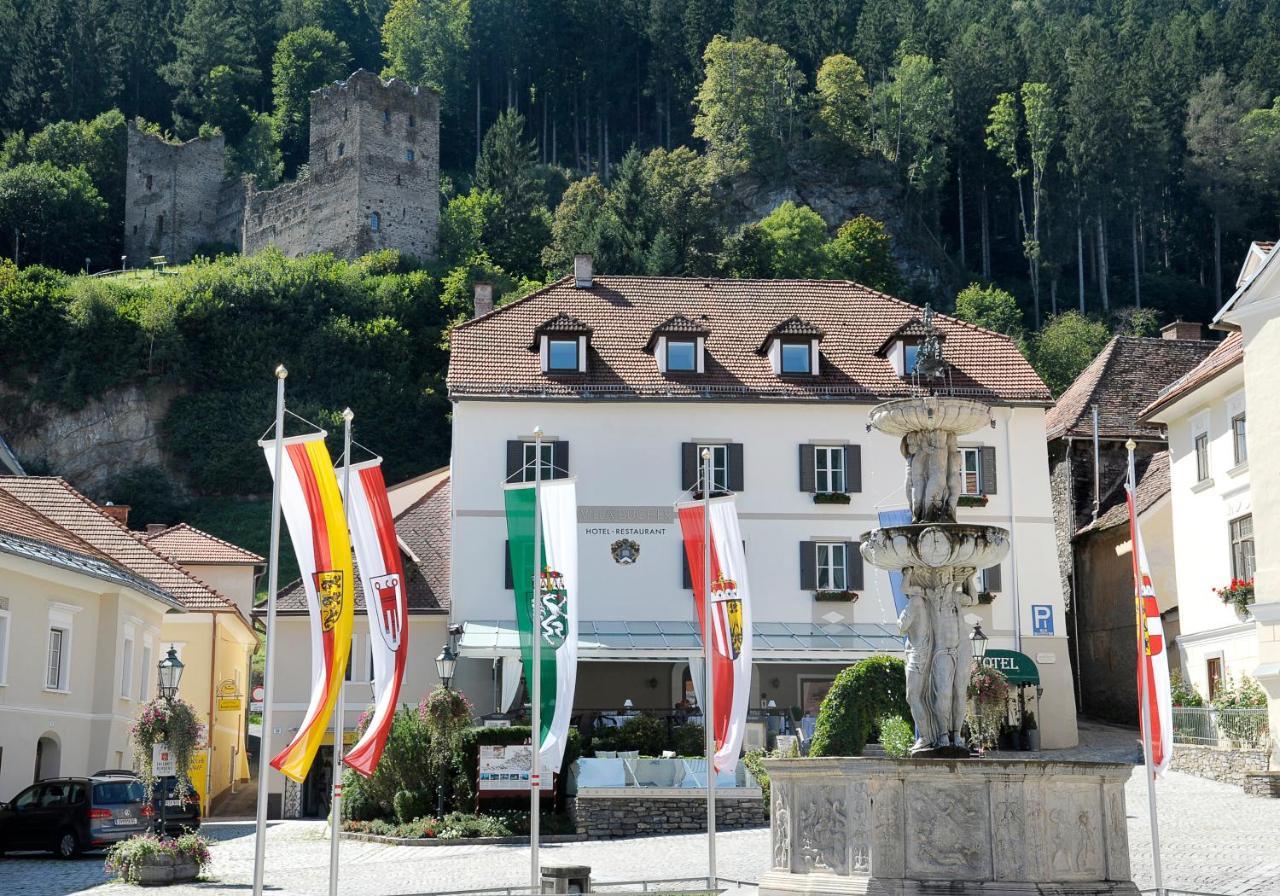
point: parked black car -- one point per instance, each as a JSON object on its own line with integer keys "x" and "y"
{"x": 178, "y": 814}
{"x": 69, "y": 815}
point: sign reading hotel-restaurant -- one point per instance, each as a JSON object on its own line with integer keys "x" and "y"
{"x": 506, "y": 769}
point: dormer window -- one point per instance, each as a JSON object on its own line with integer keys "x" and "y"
{"x": 561, "y": 344}
{"x": 682, "y": 355}
{"x": 792, "y": 347}
{"x": 678, "y": 345}
{"x": 902, "y": 348}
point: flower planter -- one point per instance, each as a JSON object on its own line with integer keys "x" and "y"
{"x": 986, "y": 597}
{"x": 971, "y": 501}
{"x": 846, "y": 597}
{"x": 831, "y": 498}
{"x": 162, "y": 870}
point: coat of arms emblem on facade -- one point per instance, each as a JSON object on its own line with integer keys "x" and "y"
{"x": 555, "y": 609}
{"x": 329, "y": 591}
{"x": 727, "y": 612}
{"x": 625, "y": 551}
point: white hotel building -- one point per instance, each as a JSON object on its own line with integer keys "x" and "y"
{"x": 630, "y": 376}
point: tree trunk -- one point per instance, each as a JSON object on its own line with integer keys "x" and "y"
{"x": 1080, "y": 255}
{"x": 960, "y": 199}
{"x": 478, "y": 135}
{"x": 985, "y": 226}
{"x": 542, "y": 101}
{"x": 577, "y": 146}
{"x": 1137, "y": 272}
{"x": 1102, "y": 264}
{"x": 1217, "y": 260}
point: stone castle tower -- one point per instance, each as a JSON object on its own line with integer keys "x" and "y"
{"x": 372, "y": 182}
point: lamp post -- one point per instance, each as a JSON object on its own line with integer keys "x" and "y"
{"x": 169, "y": 675}
{"x": 978, "y": 643}
{"x": 446, "y": 662}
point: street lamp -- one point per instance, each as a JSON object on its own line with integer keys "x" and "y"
{"x": 170, "y": 674}
{"x": 446, "y": 662}
{"x": 978, "y": 643}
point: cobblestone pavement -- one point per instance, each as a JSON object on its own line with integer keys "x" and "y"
{"x": 1215, "y": 839}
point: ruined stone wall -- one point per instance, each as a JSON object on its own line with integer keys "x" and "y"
{"x": 374, "y": 176}
{"x": 174, "y": 197}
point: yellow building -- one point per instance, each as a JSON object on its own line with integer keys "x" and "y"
{"x": 213, "y": 636}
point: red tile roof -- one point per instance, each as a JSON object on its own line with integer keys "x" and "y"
{"x": 18, "y": 519}
{"x": 1153, "y": 484}
{"x": 53, "y": 498}
{"x": 187, "y": 544}
{"x": 490, "y": 355}
{"x": 1228, "y": 354}
{"x": 1127, "y": 374}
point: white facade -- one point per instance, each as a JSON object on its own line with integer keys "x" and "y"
{"x": 626, "y": 457}
{"x": 1214, "y": 642}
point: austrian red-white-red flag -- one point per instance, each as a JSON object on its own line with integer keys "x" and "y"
{"x": 730, "y": 618}
{"x": 373, "y": 535}
{"x": 1153, "y": 686}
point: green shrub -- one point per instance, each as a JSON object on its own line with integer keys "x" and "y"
{"x": 410, "y": 805}
{"x": 896, "y": 736}
{"x": 689, "y": 740}
{"x": 754, "y": 761}
{"x": 861, "y": 694}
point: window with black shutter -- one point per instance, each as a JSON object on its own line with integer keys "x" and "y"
{"x": 508, "y": 577}
{"x": 726, "y": 467}
{"x": 830, "y": 566}
{"x": 991, "y": 579}
{"x": 520, "y": 460}
{"x": 808, "y": 566}
{"x": 988, "y": 470}
{"x": 686, "y": 577}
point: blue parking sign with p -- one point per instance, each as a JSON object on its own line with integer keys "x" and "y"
{"x": 1041, "y": 619}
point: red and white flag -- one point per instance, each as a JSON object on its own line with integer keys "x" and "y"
{"x": 730, "y": 619}
{"x": 373, "y": 535}
{"x": 1153, "y": 681}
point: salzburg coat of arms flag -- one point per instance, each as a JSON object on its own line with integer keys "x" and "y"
{"x": 312, "y": 509}
{"x": 373, "y": 533}
{"x": 557, "y": 626}
{"x": 730, "y": 617}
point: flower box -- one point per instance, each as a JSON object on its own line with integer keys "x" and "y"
{"x": 847, "y": 597}
{"x": 831, "y": 498}
{"x": 1239, "y": 593}
{"x": 971, "y": 501}
{"x": 986, "y": 597}
{"x": 153, "y": 861}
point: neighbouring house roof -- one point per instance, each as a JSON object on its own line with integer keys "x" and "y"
{"x": 1228, "y": 353}
{"x": 26, "y": 533}
{"x": 187, "y": 545}
{"x": 9, "y": 460}
{"x": 54, "y": 498}
{"x": 423, "y": 528}
{"x": 1127, "y": 374}
{"x": 1153, "y": 484}
{"x": 489, "y": 355}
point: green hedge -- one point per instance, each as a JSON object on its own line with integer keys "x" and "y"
{"x": 864, "y": 692}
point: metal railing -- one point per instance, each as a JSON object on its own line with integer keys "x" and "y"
{"x": 1239, "y": 728}
{"x": 616, "y": 887}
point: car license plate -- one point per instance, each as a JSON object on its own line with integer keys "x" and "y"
{"x": 126, "y": 821}
{"x": 173, "y": 802}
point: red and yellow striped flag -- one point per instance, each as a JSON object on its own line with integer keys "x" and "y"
{"x": 312, "y": 508}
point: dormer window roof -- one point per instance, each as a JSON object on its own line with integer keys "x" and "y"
{"x": 678, "y": 344}
{"x": 561, "y": 343}
{"x": 903, "y": 344}
{"x": 792, "y": 347}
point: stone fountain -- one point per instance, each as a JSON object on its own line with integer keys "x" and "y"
{"x": 941, "y": 821}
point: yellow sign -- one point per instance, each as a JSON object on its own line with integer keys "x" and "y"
{"x": 227, "y": 688}
{"x": 198, "y": 772}
{"x": 348, "y": 738}
{"x": 228, "y": 703}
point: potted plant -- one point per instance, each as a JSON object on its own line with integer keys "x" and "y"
{"x": 989, "y": 696}
{"x": 151, "y": 860}
{"x": 831, "y": 498}
{"x": 1239, "y": 594}
{"x": 1031, "y": 732}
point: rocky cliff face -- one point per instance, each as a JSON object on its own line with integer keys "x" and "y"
{"x": 110, "y": 435}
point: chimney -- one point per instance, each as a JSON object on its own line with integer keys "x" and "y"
{"x": 582, "y": 278}
{"x": 153, "y": 528}
{"x": 484, "y": 298}
{"x": 118, "y": 512}
{"x": 1182, "y": 329}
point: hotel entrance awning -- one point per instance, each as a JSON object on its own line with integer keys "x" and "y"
{"x": 630, "y": 641}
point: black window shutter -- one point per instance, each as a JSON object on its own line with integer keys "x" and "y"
{"x": 992, "y": 577}
{"x": 735, "y": 466}
{"x": 515, "y": 460}
{"x": 853, "y": 566}
{"x": 988, "y": 468}
{"x": 808, "y": 566}
{"x": 688, "y": 466}
{"x": 686, "y": 578}
{"x": 560, "y": 460}
{"x": 853, "y": 468}
{"x": 508, "y": 577}
{"x": 808, "y": 481}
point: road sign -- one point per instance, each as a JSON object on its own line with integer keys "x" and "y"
{"x": 164, "y": 762}
{"x": 1041, "y": 619}
{"x": 256, "y": 697}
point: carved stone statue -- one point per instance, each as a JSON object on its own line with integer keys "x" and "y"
{"x": 916, "y": 622}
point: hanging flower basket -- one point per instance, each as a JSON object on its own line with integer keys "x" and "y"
{"x": 1239, "y": 593}
{"x": 171, "y": 722}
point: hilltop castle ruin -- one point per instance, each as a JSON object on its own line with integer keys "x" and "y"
{"x": 372, "y": 182}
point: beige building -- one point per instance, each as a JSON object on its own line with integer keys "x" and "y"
{"x": 76, "y": 631}
{"x": 421, "y": 508}
{"x": 213, "y": 637}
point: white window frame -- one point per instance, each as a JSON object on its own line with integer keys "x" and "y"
{"x": 909, "y": 362}
{"x": 1233, "y": 540}
{"x": 5, "y": 627}
{"x": 552, "y": 341}
{"x": 55, "y": 671}
{"x": 528, "y": 470}
{"x": 148, "y": 654}
{"x": 966, "y": 452}
{"x": 61, "y": 617}
{"x": 693, "y": 356}
{"x": 719, "y": 467}
{"x": 127, "y": 647}
{"x": 835, "y": 568}
{"x": 1239, "y": 442}
{"x": 828, "y": 462}
{"x": 796, "y": 348}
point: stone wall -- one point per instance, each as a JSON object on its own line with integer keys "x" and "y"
{"x": 628, "y": 814}
{"x": 1218, "y": 764}
{"x": 1262, "y": 784}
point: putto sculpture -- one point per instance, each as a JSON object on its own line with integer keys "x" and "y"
{"x": 937, "y": 556}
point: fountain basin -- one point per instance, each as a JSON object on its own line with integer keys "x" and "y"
{"x": 904, "y": 415}
{"x": 935, "y": 545}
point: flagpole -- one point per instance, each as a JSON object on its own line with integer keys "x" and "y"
{"x": 708, "y": 639}
{"x": 339, "y": 712}
{"x": 535, "y": 739}
{"x": 1144, "y": 684}
{"x": 268, "y": 676}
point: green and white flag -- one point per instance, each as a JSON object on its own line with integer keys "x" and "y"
{"x": 559, "y": 601}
